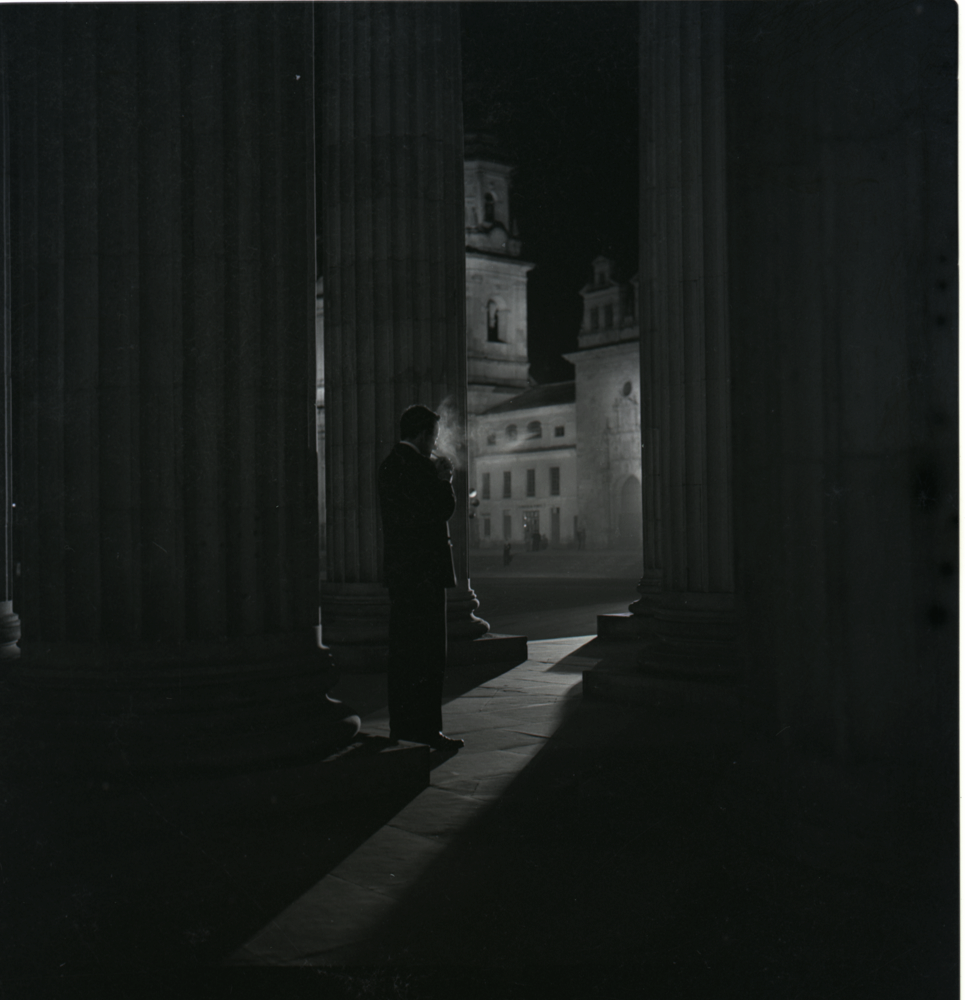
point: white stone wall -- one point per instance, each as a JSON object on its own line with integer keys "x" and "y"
{"x": 609, "y": 453}
{"x": 482, "y": 177}
{"x": 497, "y": 370}
{"x": 517, "y": 457}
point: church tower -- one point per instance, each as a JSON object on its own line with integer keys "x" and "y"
{"x": 495, "y": 282}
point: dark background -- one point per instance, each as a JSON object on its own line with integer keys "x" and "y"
{"x": 556, "y": 85}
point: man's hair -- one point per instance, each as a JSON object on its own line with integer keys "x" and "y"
{"x": 415, "y": 420}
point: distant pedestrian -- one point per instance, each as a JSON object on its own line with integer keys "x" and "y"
{"x": 507, "y": 554}
{"x": 580, "y": 537}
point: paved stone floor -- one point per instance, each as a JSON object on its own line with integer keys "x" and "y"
{"x": 571, "y": 835}
{"x": 505, "y": 722}
{"x": 572, "y": 849}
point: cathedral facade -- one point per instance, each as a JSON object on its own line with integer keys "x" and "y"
{"x": 554, "y": 464}
{"x": 559, "y": 464}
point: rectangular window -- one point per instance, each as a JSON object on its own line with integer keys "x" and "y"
{"x": 608, "y": 317}
{"x": 507, "y": 485}
{"x": 507, "y": 527}
{"x": 554, "y": 482}
{"x": 530, "y": 482}
{"x": 594, "y": 318}
{"x": 555, "y": 525}
{"x": 559, "y": 431}
{"x": 486, "y": 528}
{"x": 486, "y": 486}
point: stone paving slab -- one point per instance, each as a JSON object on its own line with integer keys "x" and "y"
{"x": 389, "y": 860}
{"x": 506, "y": 721}
{"x": 438, "y": 812}
{"x": 315, "y": 923}
{"x": 485, "y": 764}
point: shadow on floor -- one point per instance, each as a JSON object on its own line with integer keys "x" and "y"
{"x": 368, "y": 693}
{"x": 185, "y": 898}
{"x": 180, "y": 895}
{"x": 610, "y": 856}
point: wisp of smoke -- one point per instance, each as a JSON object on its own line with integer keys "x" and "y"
{"x": 451, "y": 439}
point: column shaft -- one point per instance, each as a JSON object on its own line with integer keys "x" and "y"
{"x": 9, "y": 620}
{"x": 163, "y": 286}
{"x": 685, "y": 612}
{"x": 393, "y": 263}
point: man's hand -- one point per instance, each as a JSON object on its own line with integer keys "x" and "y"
{"x": 443, "y": 468}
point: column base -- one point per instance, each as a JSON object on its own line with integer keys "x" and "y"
{"x": 683, "y": 654}
{"x": 9, "y": 632}
{"x": 461, "y": 621}
{"x": 355, "y": 626}
{"x": 112, "y": 708}
{"x": 622, "y": 626}
{"x": 637, "y": 621}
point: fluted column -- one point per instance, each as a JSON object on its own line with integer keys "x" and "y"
{"x": 687, "y": 361}
{"x": 393, "y": 262}
{"x": 844, "y": 308}
{"x": 685, "y": 615}
{"x": 9, "y": 620}
{"x": 163, "y": 312}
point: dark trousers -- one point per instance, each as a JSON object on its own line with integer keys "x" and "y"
{"x": 417, "y": 659}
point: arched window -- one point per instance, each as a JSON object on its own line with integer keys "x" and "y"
{"x": 492, "y": 321}
{"x": 489, "y": 208}
{"x": 511, "y": 432}
{"x": 534, "y": 429}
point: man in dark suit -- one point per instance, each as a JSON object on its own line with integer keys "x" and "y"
{"x": 417, "y": 500}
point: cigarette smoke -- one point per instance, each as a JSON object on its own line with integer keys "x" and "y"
{"x": 451, "y": 438}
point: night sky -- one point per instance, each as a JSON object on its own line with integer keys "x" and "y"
{"x": 556, "y": 84}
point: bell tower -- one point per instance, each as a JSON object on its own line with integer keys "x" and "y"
{"x": 495, "y": 281}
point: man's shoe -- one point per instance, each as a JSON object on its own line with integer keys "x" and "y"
{"x": 439, "y": 741}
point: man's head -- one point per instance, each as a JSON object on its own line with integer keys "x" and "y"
{"x": 418, "y": 426}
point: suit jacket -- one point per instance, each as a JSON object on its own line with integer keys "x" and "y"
{"x": 416, "y": 504}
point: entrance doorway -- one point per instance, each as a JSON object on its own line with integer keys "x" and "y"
{"x": 531, "y": 529}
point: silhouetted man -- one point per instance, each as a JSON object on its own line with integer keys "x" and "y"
{"x": 415, "y": 491}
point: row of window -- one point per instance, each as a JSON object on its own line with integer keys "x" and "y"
{"x": 530, "y": 524}
{"x": 607, "y": 317}
{"x": 534, "y": 429}
{"x": 530, "y": 484}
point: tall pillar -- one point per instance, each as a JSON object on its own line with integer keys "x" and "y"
{"x": 686, "y": 610}
{"x": 163, "y": 288}
{"x": 393, "y": 262}
{"x": 9, "y": 620}
{"x": 844, "y": 312}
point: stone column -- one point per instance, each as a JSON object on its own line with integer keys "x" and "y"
{"x": 844, "y": 313}
{"x": 9, "y": 621}
{"x": 393, "y": 262}
{"x": 162, "y": 186}
{"x": 686, "y": 607}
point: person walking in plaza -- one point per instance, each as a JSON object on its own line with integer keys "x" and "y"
{"x": 417, "y": 500}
